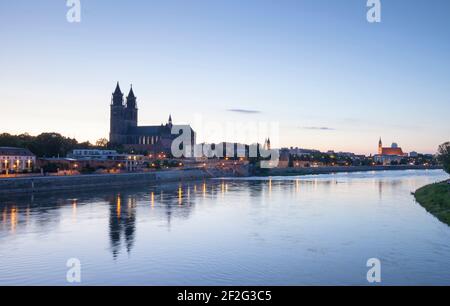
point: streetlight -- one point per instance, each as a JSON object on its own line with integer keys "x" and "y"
{"x": 6, "y": 167}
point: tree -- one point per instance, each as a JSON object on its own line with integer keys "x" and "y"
{"x": 101, "y": 143}
{"x": 7, "y": 140}
{"x": 43, "y": 145}
{"x": 52, "y": 145}
{"x": 444, "y": 156}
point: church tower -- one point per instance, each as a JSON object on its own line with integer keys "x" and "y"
{"x": 131, "y": 111}
{"x": 267, "y": 145}
{"x": 117, "y": 124}
{"x": 380, "y": 147}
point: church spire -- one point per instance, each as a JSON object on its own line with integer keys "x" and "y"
{"x": 117, "y": 91}
{"x": 131, "y": 94}
{"x": 170, "y": 119}
{"x": 267, "y": 145}
{"x": 131, "y": 99}
{"x": 117, "y": 96}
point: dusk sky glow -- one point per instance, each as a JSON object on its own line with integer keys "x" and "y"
{"x": 330, "y": 79}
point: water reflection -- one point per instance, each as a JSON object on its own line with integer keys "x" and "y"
{"x": 45, "y": 210}
{"x": 170, "y": 200}
{"x": 237, "y": 227}
{"x": 122, "y": 223}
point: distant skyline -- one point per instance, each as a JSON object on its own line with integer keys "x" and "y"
{"x": 332, "y": 80}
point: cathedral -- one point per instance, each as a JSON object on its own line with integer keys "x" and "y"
{"x": 393, "y": 150}
{"x": 124, "y": 129}
{"x": 389, "y": 155}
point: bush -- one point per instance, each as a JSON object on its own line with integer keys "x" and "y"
{"x": 87, "y": 170}
{"x": 444, "y": 156}
{"x": 436, "y": 200}
{"x": 51, "y": 168}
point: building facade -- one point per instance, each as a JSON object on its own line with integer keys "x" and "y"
{"x": 94, "y": 160}
{"x": 389, "y": 155}
{"x": 93, "y": 154}
{"x": 108, "y": 159}
{"x": 394, "y": 149}
{"x": 16, "y": 160}
{"x": 124, "y": 129}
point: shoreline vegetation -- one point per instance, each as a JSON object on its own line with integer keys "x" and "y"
{"x": 435, "y": 198}
{"x": 338, "y": 169}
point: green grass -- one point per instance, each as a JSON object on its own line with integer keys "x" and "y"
{"x": 435, "y": 199}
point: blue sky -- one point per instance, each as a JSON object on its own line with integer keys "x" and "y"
{"x": 331, "y": 79}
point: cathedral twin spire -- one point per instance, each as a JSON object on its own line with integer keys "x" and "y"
{"x": 131, "y": 99}
{"x": 117, "y": 100}
{"x": 118, "y": 97}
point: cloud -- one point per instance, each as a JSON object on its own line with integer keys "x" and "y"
{"x": 244, "y": 111}
{"x": 318, "y": 128}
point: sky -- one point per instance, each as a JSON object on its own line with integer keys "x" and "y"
{"x": 317, "y": 69}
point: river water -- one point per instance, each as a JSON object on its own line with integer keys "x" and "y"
{"x": 309, "y": 230}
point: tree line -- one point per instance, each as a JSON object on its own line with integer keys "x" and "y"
{"x": 54, "y": 145}
{"x": 444, "y": 156}
{"x": 48, "y": 144}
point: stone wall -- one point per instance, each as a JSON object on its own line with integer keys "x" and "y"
{"x": 52, "y": 183}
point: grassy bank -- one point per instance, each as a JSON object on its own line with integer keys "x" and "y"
{"x": 435, "y": 199}
{"x": 337, "y": 169}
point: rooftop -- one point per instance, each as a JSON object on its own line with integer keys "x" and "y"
{"x": 11, "y": 151}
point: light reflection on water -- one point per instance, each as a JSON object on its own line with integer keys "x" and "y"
{"x": 258, "y": 231}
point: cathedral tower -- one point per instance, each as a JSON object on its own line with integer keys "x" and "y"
{"x": 117, "y": 124}
{"x": 380, "y": 147}
{"x": 170, "y": 121}
{"x": 131, "y": 111}
{"x": 124, "y": 129}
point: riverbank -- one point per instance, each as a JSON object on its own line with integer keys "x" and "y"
{"x": 95, "y": 181}
{"x": 435, "y": 199}
{"x": 98, "y": 181}
{"x": 328, "y": 170}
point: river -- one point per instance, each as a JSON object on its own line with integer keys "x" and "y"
{"x": 306, "y": 230}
